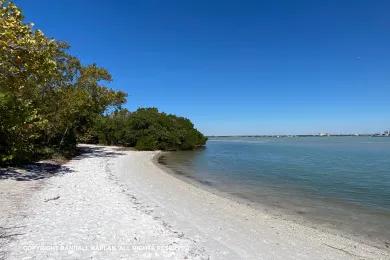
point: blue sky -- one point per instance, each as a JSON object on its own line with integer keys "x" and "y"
{"x": 238, "y": 67}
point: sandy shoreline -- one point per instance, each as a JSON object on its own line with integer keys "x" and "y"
{"x": 285, "y": 209}
{"x": 112, "y": 203}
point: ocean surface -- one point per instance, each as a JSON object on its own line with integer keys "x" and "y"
{"x": 335, "y": 183}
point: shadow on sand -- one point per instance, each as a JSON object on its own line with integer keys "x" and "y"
{"x": 98, "y": 152}
{"x": 43, "y": 170}
{"x": 34, "y": 171}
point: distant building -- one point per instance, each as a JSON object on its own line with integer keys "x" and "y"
{"x": 385, "y": 133}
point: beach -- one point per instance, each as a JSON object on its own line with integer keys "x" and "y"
{"x": 115, "y": 203}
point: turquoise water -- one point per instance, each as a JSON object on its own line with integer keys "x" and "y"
{"x": 337, "y": 182}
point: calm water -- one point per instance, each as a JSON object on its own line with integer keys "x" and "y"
{"x": 340, "y": 183}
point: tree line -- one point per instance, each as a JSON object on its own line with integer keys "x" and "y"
{"x": 49, "y": 101}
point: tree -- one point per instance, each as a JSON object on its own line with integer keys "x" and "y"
{"x": 49, "y": 101}
{"x": 26, "y": 66}
{"x": 47, "y": 98}
{"x": 147, "y": 129}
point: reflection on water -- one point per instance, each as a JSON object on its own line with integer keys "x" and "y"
{"x": 339, "y": 182}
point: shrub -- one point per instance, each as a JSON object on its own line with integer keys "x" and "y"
{"x": 148, "y": 129}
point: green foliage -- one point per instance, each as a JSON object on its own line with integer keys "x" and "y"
{"x": 147, "y": 142}
{"x": 49, "y": 101}
{"x": 47, "y": 98}
{"x": 147, "y": 129}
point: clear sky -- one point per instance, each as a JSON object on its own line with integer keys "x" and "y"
{"x": 238, "y": 67}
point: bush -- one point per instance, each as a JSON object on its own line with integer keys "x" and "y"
{"x": 148, "y": 129}
{"x": 147, "y": 142}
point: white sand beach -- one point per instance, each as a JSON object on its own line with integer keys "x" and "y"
{"x": 112, "y": 203}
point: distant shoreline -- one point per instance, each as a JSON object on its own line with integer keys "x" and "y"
{"x": 308, "y": 135}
